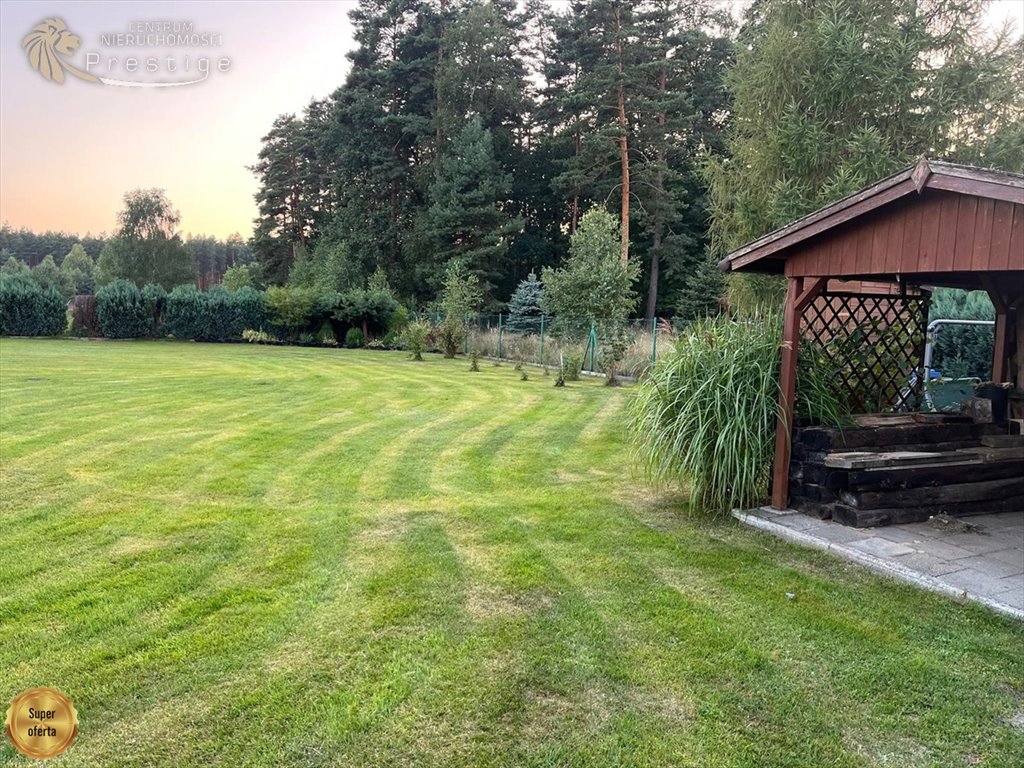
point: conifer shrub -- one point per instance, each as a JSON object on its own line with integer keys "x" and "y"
{"x": 354, "y": 338}
{"x": 185, "y": 316}
{"x": 524, "y": 312}
{"x": 155, "y": 298}
{"x": 122, "y": 311}
{"x": 248, "y": 310}
{"x": 27, "y": 309}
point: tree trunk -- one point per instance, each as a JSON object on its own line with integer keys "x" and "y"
{"x": 575, "y": 194}
{"x": 437, "y": 81}
{"x": 659, "y": 222}
{"x": 623, "y": 140}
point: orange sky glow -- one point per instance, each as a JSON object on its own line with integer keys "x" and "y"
{"x": 69, "y": 151}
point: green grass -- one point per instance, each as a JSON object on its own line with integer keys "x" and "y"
{"x": 240, "y": 555}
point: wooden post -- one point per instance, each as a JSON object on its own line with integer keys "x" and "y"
{"x": 787, "y": 394}
{"x": 1000, "y": 351}
{"x": 798, "y": 296}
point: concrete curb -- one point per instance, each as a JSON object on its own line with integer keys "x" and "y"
{"x": 876, "y": 564}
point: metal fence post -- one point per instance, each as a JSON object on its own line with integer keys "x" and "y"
{"x": 501, "y": 330}
{"x": 542, "y": 340}
{"x": 593, "y": 346}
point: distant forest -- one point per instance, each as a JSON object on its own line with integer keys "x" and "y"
{"x": 212, "y": 257}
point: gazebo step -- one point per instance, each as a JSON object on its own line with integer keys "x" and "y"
{"x": 895, "y": 437}
{"x": 867, "y": 518}
{"x": 877, "y": 459}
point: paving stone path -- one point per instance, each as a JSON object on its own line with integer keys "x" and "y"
{"x": 986, "y": 565}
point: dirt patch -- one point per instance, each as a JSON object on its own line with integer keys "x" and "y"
{"x": 486, "y": 602}
{"x": 135, "y": 545}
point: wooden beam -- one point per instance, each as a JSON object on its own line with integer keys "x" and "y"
{"x": 977, "y": 188}
{"x": 992, "y": 289}
{"x": 787, "y": 389}
{"x": 810, "y": 293}
{"x": 1000, "y": 351}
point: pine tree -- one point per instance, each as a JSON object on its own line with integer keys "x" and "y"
{"x": 47, "y": 274}
{"x": 77, "y": 271}
{"x": 383, "y": 137}
{"x": 293, "y": 198}
{"x": 702, "y": 294}
{"x": 466, "y": 220}
{"x": 680, "y": 106}
{"x": 14, "y": 266}
{"x": 524, "y": 307}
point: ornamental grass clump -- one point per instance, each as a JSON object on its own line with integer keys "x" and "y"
{"x": 705, "y": 416}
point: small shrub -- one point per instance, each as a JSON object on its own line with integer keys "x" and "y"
{"x": 354, "y": 338}
{"x": 256, "y": 337}
{"x": 307, "y": 338}
{"x": 614, "y": 342}
{"x": 474, "y": 360}
{"x": 414, "y": 338}
{"x": 451, "y": 335}
{"x": 26, "y": 309}
{"x": 572, "y": 364}
{"x": 122, "y": 311}
{"x": 523, "y": 375}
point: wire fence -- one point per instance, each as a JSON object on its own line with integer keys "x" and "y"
{"x": 557, "y": 341}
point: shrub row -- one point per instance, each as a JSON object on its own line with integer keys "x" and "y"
{"x": 216, "y": 315}
{"x": 26, "y": 309}
{"x": 121, "y": 310}
{"x": 126, "y": 312}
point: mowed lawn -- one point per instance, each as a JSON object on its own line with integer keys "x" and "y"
{"x": 256, "y": 556}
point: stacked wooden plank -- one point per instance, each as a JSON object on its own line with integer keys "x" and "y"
{"x": 900, "y": 469}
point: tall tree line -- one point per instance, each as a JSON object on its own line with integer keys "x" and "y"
{"x": 482, "y": 131}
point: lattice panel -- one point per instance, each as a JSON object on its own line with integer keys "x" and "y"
{"x": 875, "y": 342}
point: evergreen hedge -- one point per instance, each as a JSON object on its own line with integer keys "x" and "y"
{"x": 122, "y": 311}
{"x": 184, "y": 314}
{"x": 26, "y": 309}
{"x": 217, "y": 315}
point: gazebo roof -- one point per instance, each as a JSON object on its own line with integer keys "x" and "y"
{"x": 768, "y": 253}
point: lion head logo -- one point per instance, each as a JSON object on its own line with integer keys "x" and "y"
{"x": 46, "y": 45}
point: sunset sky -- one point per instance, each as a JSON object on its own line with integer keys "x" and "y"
{"x": 69, "y": 151}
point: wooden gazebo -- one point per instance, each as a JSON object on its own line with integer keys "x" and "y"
{"x": 933, "y": 224}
